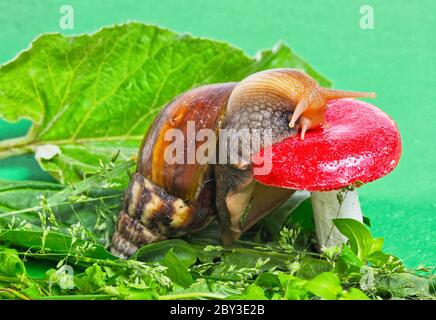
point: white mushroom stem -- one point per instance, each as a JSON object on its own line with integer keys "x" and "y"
{"x": 327, "y": 207}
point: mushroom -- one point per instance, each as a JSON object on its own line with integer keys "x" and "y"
{"x": 360, "y": 144}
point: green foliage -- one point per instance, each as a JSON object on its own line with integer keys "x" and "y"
{"x": 87, "y": 208}
{"x": 156, "y": 252}
{"x": 361, "y": 241}
{"x": 326, "y": 285}
{"x": 252, "y": 292}
{"x": 367, "y": 248}
{"x": 56, "y": 243}
{"x": 176, "y": 270}
{"x": 10, "y": 263}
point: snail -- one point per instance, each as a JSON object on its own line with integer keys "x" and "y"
{"x": 167, "y": 199}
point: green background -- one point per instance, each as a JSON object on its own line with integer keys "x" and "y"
{"x": 396, "y": 59}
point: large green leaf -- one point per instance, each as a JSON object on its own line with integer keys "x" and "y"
{"x": 176, "y": 270}
{"x": 252, "y": 292}
{"x": 90, "y": 96}
{"x": 156, "y": 252}
{"x": 18, "y": 195}
{"x": 92, "y": 202}
{"x": 403, "y": 285}
{"x": 54, "y": 243}
{"x": 325, "y": 285}
{"x": 10, "y": 263}
{"x": 361, "y": 240}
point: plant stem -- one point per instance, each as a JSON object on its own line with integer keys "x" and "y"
{"x": 268, "y": 249}
{"x": 14, "y": 152}
{"x": 78, "y": 297}
{"x": 10, "y": 279}
{"x": 266, "y": 252}
{"x": 15, "y": 293}
{"x": 11, "y": 213}
{"x": 17, "y": 146}
{"x": 219, "y": 278}
{"x": 253, "y": 251}
{"x": 80, "y": 260}
{"x": 29, "y": 143}
{"x": 191, "y": 295}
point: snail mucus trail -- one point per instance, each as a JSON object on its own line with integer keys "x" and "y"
{"x": 166, "y": 200}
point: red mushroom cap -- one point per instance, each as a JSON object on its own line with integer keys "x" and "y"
{"x": 362, "y": 143}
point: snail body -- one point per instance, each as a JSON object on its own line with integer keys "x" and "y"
{"x": 171, "y": 199}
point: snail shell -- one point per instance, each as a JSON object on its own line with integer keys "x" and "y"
{"x": 170, "y": 200}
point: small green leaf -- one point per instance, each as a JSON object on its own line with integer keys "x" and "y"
{"x": 252, "y": 292}
{"x": 10, "y": 263}
{"x": 348, "y": 262}
{"x": 33, "y": 291}
{"x": 209, "y": 253}
{"x": 293, "y": 287}
{"x": 325, "y": 285}
{"x": 128, "y": 293}
{"x": 55, "y": 243}
{"x": 354, "y": 294}
{"x": 96, "y": 276}
{"x": 361, "y": 240}
{"x": 155, "y": 252}
{"x": 176, "y": 270}
{"x": 289, "y": 281}
{"x": 246, "y": 260}
{"x": 296, "y": 294}
{"x": 377, "y": 245}
{"x": 381, "y": 259}
{"x": 268, "y": 280}
{"x": 207, "y": 288}
{"x": 310, "y": 267}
